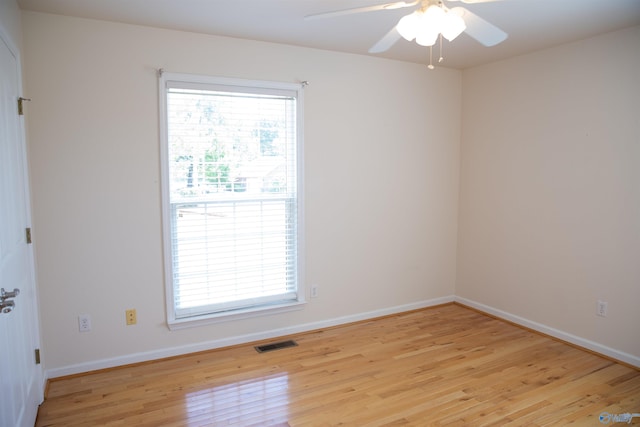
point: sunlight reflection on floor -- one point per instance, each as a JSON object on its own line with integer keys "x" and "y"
{"x": 265, "y": 400}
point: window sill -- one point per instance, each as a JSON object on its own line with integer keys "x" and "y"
{"x": 177, "y": 324}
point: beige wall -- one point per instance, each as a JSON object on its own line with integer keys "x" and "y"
{"x": 548, "y": 193}
{"x": 381, "y": 172}
{"x": 550, "y": 188}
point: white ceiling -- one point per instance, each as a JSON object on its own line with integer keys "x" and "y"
{"x": 531, "y": 24}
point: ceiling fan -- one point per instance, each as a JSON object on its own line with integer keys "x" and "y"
{"x": 430, "y": 21}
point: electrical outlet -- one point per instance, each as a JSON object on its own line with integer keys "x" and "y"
{"x": 84, "y": 323}
{"x": 314, "y": 291}
{"x": 601, "y": 308}
{"x": 132, "y": 318}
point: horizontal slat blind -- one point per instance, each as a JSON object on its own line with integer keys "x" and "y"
{"x": 232, "y": 197}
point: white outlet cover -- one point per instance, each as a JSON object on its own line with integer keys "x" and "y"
{"x": 601, "y": 309}
{"x": 84, "y": 323}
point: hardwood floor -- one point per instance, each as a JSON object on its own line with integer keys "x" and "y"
{"x": 446, "y": 365}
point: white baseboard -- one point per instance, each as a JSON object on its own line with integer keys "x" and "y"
{"x": 243, "y": 339}
{"x": 564, "y": 336}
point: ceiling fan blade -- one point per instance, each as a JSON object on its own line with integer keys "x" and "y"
{"x": 386, "y": 42}
{"x": 479, "y": 29}
{"x": 386, "y": 6}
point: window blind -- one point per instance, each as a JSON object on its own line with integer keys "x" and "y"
{"x": 232, "y": 184}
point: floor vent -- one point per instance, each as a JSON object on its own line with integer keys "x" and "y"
{"x": 275, "y": 346}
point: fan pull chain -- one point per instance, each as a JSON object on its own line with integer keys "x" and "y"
{"x": 430, "y": 66}
{"x": 441, "y": 57}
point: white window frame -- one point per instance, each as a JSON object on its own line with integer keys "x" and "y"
{"x": 167, "y": 79}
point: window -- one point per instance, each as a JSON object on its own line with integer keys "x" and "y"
{"x": 231, "y": 196}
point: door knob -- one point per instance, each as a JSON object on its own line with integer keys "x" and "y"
{"x": 4, "y": 295}
{"x": 6, "y": 306}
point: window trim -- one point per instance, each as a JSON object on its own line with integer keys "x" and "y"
{"x": 165, "y": 81}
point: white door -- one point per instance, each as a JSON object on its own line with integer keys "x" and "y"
{"x": 20, "y": 376}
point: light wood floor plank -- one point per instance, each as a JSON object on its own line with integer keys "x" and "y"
{"x": 442, "y": 366}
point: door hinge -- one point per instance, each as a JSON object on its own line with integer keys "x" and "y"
{"x": 28, "y": 232}
{"x": 20, "y": 109}
{"x": 37, "y": 356}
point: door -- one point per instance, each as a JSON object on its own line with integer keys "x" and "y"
{"x": 20, "y": 376}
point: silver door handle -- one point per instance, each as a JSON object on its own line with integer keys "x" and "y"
{"x": 4, "y": 295}
{"x": 6, "y": 306}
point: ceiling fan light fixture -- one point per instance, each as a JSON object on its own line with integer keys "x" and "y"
{"x": 427, "y": 36}
{"x": 430, "y": 22}
{"x": 425, "y": 25}
{"x": 408, "y": 25}
{"x": 453, "y": 26}
{"x": 434, "y": 15}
